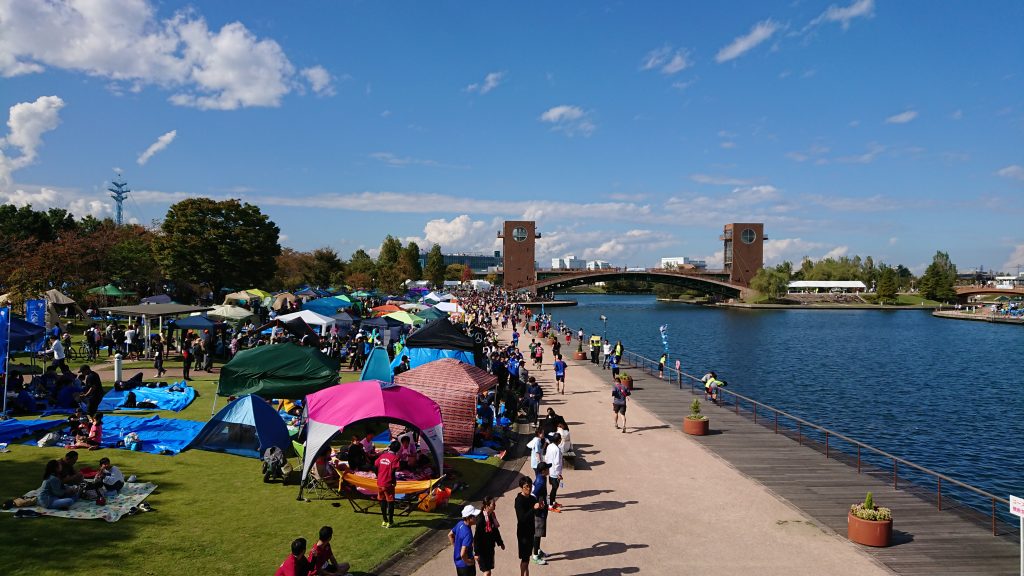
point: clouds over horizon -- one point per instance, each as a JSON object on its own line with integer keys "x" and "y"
{"x": 26, "y": 124}
{"x": 570, "y": 120}
{"x": 127, "y": 43}
{"x": 162, "y": 142}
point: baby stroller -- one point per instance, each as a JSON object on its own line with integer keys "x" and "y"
{"x": 274, "y": 464}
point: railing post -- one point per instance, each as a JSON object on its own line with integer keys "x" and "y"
{"x": 940, "y": 494}
{"x": 858, "y": 459}
{"x": 895, "y": 475}
{"x": 826, "y": 444}
{"x": 800, "y": 432}
{"x": 755, "y": 413}
{"x": 736, "y": 401}
{"x": 994, "y": 517}
{"x": 776, "y": 421}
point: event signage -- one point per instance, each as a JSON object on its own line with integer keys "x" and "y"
{"x": 1017, "y": 506}
{"x": 5, "y": 336}
{"x": 35, "y": 313}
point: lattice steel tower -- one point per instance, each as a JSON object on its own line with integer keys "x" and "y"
{"x": 119, "y": 191}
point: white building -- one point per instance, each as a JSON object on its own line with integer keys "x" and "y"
{"x": 683, "y": 262}
{"x": 598, "y": 265}
{"x": 570, "y": 262}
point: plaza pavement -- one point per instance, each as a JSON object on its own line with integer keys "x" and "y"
{"x": 654, "y": 501}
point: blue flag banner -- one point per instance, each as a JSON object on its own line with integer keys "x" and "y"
{"x": 35, "y": 313}
{"x": 664, "y": 336}
{"x": 5, "y": 335}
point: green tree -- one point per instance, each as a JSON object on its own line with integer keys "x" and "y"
{"x": 324, "y": 267}
{"x": 389, "y": 276}
{"x": 129, "y": 262}
{"x": 454, "y": 271}
{"x": 293, "y": 269}
{"x": 772, "y": 282}
{"x": 410, "y": 262}
{"x": 887, "y": 285}
{"x": 218, "y": 244}
{"x": 361, "y": 263}
{"x": 435, "y": 266}
{"x": 939, "y": 279}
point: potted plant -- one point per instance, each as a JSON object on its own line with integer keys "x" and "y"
{"x": 696, "y": 423}
{"x": 626, "y": 380}
{"x": 580, "y": 354}
{"x": 868, "y": 524}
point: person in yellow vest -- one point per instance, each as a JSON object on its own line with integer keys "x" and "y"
{"x": 595, "y": 348}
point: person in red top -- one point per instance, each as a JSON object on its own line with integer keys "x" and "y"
{"x": 387, "y": 465}
{"x": 321, "y": 557}
{"x": 295, "y": 564}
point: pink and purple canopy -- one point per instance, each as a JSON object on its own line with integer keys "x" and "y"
{"x": 332, "y": 409}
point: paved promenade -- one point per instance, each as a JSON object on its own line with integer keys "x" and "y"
{"x": 654, "y": 501}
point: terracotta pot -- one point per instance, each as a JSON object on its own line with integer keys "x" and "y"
{"x": 696, "y": 427}
{"x": 581, "y": 356}
{"x": 877, "y": 533}
{"x": 627, "y": 381}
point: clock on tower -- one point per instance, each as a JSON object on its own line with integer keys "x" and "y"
{"x": 519, "y": 243}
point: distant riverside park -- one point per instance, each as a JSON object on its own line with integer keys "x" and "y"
{"x": 195, "y": 395}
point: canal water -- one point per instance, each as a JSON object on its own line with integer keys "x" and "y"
{"x": 945, "y": 394}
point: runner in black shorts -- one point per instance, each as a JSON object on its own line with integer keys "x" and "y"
{"x": 526, "y": 504}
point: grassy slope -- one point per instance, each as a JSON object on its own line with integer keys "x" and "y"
{"x": 214, "y": 515}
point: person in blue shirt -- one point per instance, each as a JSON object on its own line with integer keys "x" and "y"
{"x": 461, "y": 538}
{"x": 560, "y": 367}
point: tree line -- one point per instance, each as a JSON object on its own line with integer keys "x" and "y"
{"x": 201, "y": 246}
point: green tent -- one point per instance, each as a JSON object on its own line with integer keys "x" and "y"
{"x": 110, "y": 290}
{"x": 278, "y": 371}
{"x": 432, "y": 314}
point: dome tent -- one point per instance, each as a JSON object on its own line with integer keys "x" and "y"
{"x": 245, "y": 427}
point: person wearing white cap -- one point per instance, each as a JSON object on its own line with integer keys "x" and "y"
{"x": 461, "y": 538}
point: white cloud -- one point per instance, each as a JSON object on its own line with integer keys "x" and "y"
{"x": 837, "y": 252}
{"x": 876, "y": 203}
{"x": 1016, "y": 259}
{"x": 668, "y": 60}
{"x": 320, "y": 80}
{"x": 124, "y": 41}
{"x": 1013, "y": 171}
{"x": 460, "y": 234}
{"x": 491, "y": 81}
{"x": 874, "y": 150}
{"x": 44, "y": 198}
{"x": 571, "y": 120}
{"x": 26, "y": 124}
{"x": 957, "y": 115}
{"x": 741, "y": 45}
{"x": 162, "y": 142}
{"x": 844, "y": 15}
{"x": 393, "y": 160}
{"x": 893, "y": 241}
{"x": 719, "y": 180}
{"x": 794, "y": 250}
{"x": 902, "y": 117}
{"x": 728, "y": 144}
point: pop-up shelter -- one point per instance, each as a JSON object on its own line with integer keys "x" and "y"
{"x": 246, "y": 427}
{"x": 327, "y": 306}
{"x": 455, "y": 387}
{"x": 278, "y": 371}
{"x": 436, "y": 340}
{"x": 322, "y": 322}
{"x": 388, "y": 328}
{"x": 330, "y": 411}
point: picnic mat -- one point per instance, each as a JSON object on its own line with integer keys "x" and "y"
{"x": 157, "y": 434}
{"x": 14, "y": 429}
{"x": 164, "y": 398}
{"x": 130, "y": 496}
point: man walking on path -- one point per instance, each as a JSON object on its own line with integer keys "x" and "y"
{"x": 560, "y": 367}
{"x": 606, "y": 349}
{"x": 540, "y": 515}
{"x": 619, "y": 395}
{"x": 461, "y": 538}
{"x": 553, "y": 458}
{"x": 526, "y": 509}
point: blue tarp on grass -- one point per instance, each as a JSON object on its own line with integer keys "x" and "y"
{"x": 157, "y": 434}
{"x": 164, "y": 398}
{"x": 14, "y": 429}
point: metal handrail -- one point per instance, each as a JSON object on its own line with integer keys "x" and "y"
{"x": 642, "y": 362}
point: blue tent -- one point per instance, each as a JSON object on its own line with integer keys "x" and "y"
{"x": 246, "y": 427}
{"x": 195, "y": 323}
{"x": 327, "y": 306}
{"x": 24, "y": 333}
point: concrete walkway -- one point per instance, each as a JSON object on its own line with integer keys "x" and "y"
{"x": 654, "y": 501}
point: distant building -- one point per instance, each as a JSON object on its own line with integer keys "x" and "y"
{"x": 598, "y": 265}
{"x": 684, "y": 262}
{"x": 479, "y": 263}
{"x": 570, "y": 262}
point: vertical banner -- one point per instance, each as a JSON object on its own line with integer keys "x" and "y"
{"x": 35, "y": 313}
{"x": 5, "y": 336}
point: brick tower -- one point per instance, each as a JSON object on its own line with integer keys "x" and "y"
{"x": 744, "y": 251}
{"x": 519, "y": 244}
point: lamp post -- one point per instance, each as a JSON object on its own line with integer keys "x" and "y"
{"x": 604, "y": 319}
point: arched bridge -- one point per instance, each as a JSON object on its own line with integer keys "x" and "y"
{"x": 965, "y": 292}
{"x": 707, "y": 283}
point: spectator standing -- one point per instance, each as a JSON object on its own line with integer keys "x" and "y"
{"x": 540, "y": 516}
{"x": 553, "y": 458}
{"x": 56, "y": 349}
{"x": 606, "y": 350}
{"x": 526, "y": 509}
{"x": 487, "y": 536}
{"x": 619, "y": 395}
{"x": 387, "y": 467}
{"x": 461, "y": 538}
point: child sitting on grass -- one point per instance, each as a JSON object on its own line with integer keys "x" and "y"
{"x": 95, "y": 437}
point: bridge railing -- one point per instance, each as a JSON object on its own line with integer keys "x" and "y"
{"x": 981, "y": 505}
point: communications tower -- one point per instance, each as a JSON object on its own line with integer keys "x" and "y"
{"x": 119, "y": 191}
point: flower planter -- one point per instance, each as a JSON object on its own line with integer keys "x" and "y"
{"x": 877, "y": 533}
{"x": 581, "y": 356}
{"x": 696, "y": 427}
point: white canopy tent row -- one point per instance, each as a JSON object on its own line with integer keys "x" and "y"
{"x": 450, "y": 308}
{"x": 435, "y": 297}
{"x": 312, "y": 318}
{"x": 843, "y": 285}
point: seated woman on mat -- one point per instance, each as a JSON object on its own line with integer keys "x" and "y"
{"x": 95, "y": 437}
{"x": 53, "y": 494}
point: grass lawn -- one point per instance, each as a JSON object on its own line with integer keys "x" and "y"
{"x": 213, "y": 513}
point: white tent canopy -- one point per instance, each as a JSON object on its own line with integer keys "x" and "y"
{"x": 434, "y": 296}
{"x": 311, "y": 318}
{"x": 450, "y": 308}
{"x": 230, "y": 313}
{"x": 827, "y": 284}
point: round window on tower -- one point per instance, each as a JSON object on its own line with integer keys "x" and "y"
{"x": 748, "y": 235}
{"x": 519, "y": 234}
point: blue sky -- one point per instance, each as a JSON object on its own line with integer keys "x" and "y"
{"x": 629, "y": 130}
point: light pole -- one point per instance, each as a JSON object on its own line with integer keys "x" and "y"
{"x": 604, "y": 319}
